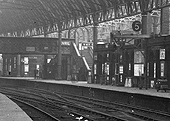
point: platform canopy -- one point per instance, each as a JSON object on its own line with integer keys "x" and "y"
{"x": 32, "y": 17}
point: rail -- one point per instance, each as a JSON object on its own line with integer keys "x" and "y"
{"x": 76, "y": 55}
{"x": 85, "y": 63}
{"x": 90, "y": 49}
{"x": 81, "y": 64}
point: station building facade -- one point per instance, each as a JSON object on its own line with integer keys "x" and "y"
{"x": 115, "y": 64}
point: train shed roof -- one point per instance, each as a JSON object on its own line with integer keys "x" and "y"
{"x": 17, "y": 15}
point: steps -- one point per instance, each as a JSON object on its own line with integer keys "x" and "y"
{"x": 86, "y": 53}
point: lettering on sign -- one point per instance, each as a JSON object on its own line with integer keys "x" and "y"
{"x": 45, "y": 48}
{"x": 30, "y": 49}
{"x": 65, "y": 43}
{"x": 87, "y": 44}
{"x": 136, "y": 26}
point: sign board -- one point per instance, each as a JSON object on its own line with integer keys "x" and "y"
{"x": 162, "y": 53}
{"x": 136, "y": 26}
{"x": 87, "y": 44}
{"x": 30, "y": 49}
{"x": 32, "y": 45}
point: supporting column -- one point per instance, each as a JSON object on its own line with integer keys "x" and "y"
{"x": 59, "y": 52}
{"x": 144, "y": 44}
{"x": 68, "y": 68}
{"x": 95, "y": 25}
{"x": 4, "y": 64}
{"x": 18, "y": 65}
{"x": 44, "y": 75}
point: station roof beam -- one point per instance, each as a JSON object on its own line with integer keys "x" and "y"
{"x": 21, "y": 15}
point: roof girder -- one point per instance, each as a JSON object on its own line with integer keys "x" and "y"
{"x": 75, "y": 16}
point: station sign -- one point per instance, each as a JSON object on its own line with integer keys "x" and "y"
{"x": 136, "y": 26}
{"x": 66, "y": 43}
{"x": 87, "y": 44}
{"x": 30, "y": 49}
{"x": 31, "y": 45}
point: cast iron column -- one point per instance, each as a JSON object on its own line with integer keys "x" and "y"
{"x": 95, "y": 25}
{"x": 59, "y": 51}
{"x": 18, "y": 65}
{"x": 45, "y": 57}
{"x": 144, "y": 32}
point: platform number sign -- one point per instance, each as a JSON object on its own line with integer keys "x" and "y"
{"x": 136, "y": 26}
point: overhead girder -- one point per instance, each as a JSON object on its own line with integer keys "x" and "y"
{"x": 123, "y": 8}
{"x": 44, "y": 12}
{"x": 149, "y": 5}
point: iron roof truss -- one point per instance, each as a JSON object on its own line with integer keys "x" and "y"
{"x": 33, "y": 17}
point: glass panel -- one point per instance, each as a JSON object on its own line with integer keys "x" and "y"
{"x": 138, "y": 56}
{"x": 129, "y": 66}
{"x": 26, "y": 68}
{"x": 121, "y": 78}
{"x": 138, "y": 69}
{"x": 15, "y": 59}
{"x": 25, "y": 60}
{"x": 147, "y": 69}
{"x": 95, "y": 72}
{"x": 154, "y": 70}
{"x": 107, "y": 68}
{"x": 120, "y": 69}
{"x": 48, "y": 60}
{"x": 162, "y": 69}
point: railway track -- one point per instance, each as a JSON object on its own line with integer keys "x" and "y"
{"x": 70, "y": 109}
{"x": 86, "y": 108}
{"x": 111, "y": 107}
{"x": 35, "y": 113}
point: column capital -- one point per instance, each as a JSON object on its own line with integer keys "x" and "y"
{"x": 144, "y": 13}
{"x": 95, "y": 19}
{"x": 59, "y": 24}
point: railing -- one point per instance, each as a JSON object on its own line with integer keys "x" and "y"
{"x": 90, "y": 49}
{"x": 81, "y": 62}
{"x": 85, "y": 64}
{"x": 76, "y": 50}
{"x": 76, "y": 55}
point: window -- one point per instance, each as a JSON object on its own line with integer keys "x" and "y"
{"x": 147, "y": 69}
{"x": 138, "y": 69}
{"x": 26, "y": 68}
{"x": 154, "y": 70}
{"x": 162, "y": 68}
{"x": 25, "y": 60}
{"x": 95, "y": 69}
{"x": 138, "y": 62}
{"x": 120, "y": 69}
{"x": 129, "y": 66}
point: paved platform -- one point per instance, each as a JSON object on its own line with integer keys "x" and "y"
{"x": 133, "y": 90}
{"x": 9, "y": 111}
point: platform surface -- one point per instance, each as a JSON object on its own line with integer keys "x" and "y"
{"x": 9, "y": 111}
{"x": 133, "y": 90}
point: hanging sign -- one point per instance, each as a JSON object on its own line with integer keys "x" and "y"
{"x": 162, "y": 53}
{"x": 136, "y": 26}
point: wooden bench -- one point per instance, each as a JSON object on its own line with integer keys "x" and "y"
{"x": 162, "y": 85}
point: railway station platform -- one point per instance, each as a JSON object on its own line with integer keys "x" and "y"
{"x": 150, "y": 98}
{"x": 132, "y": 90}
{"x": 9, "y": 111}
